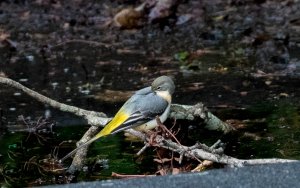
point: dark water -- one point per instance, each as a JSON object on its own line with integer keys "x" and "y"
{"x": 35, "y": 51}
{"x": 272, "y": 130}
{"x": 81, "y": 76}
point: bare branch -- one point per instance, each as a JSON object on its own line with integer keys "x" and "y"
{"x": 80, "y": 155}
{"x": 93, "y": 118}
{"x": 196, "y": 112}
{"x": 219, "y": 158}
{"x": 204, "y": 152}
{"x": 188, "y": 112}
{"x": 199, "y": 111}
{"x": 143, "y": 149}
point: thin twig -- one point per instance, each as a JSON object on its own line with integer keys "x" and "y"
{"x": 113, "y": 174}
{"x": 143, "y": 149}
{"x": 174, "y": 137}
{"x": 90, "y": 42}
{"x": 165, "y": 129}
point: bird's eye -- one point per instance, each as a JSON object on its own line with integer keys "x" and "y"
{"x": 158, "y": 88}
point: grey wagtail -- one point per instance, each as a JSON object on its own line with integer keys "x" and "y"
{"x": 140, "y": 110}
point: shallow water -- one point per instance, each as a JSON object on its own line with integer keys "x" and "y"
{"x": 269, "y": 118}
{"x": 101, "y": 67}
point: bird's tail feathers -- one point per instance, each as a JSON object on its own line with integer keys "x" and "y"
{"x": 112, "y": 125}
{"x": 79, "y": 147}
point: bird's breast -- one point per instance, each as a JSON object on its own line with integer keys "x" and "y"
{"x": 165, "y": 95}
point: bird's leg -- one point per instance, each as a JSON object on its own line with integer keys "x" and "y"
{"x": 151, "y": 137}
{"x": 168, "y": 133}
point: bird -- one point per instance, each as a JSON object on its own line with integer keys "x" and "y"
{"x": 139, "y": 111}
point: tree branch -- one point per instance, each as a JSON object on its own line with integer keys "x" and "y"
{"x": 196, "y": 112}
{"x": 203, "y": 152}
{"x": 93, "y": 118}
{"x": 187, "y": 112}
{"x": 81, "y": 153}
{"x": 199, "y": 111}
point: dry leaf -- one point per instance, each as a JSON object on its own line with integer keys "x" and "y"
{"x": 175, "y": 171}
{"x": 129, "y": 18}
{"x": 161, "y": 172}
{"x": 202, "y": 166}
{"x": 4, "y": 36}
{"x": 244, "y": 93}
{"x": 2, "y": 74}
{"x": 284, "y": 95}
{"x": 268, "y": 82}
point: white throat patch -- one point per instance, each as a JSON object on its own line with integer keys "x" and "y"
{"x": 165, "y": 95}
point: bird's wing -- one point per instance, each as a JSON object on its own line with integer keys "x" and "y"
{"x": 141, "y": 108}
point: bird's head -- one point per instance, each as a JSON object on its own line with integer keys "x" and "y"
{"x": 163, "y": 84}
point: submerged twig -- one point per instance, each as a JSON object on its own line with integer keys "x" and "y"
{"x": 113, "y": 174}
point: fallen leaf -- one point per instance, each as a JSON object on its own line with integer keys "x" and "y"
{"x": 2, "y": 74}
{"x": 268, "y": 82}
{"x": 175, "y": 171}
{"x": 161, "y": 172}
{"x": 284, "y": 95}
{"x": 129, "y": 18}
{"x": 4, "y": 36}
{"x": 202, "y": 166}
